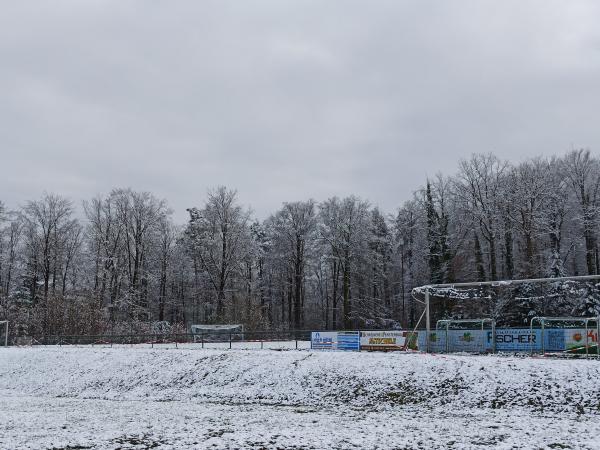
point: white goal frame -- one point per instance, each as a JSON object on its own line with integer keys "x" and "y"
{"x": 584, "y": 320}
{"x": 428, "y": 288}
{"x": 445, "y": 324}
{"x": 199, "y": 331}
{"x": 5, "y": 323}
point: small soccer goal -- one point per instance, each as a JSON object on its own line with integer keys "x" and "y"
{"x": 464, "y": 335}
{"x": 217, "y": 333}
{"x": 4, "y": 332}
{"x": 568, "y": 335}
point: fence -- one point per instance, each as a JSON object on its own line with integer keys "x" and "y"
{"x": 294, "y": 339}
{"x": 569, "y": 341}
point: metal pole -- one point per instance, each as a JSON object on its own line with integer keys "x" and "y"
{"x": 447, "y": 341}
{"x": 531, "y": 334}
{"x": 586, "y": 340}
{"x": 543, "y": 344}
{"x": 427, "y": 322}
{"x": 598, "y": 337}
{"x": 483, "y": 335}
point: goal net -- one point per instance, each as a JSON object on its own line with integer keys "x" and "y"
{"x": 4, "y": 332}
{"x": 464, "y": 335}
{"x": 217, "y": 333}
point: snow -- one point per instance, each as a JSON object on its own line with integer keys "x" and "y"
{"x": 139, "y": 397}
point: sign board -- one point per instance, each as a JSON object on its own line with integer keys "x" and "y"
{"x": 457, "y": 341}
{"x": 382, "y": 340}
{"x": 348, "y": 340}
{"x": 437, "y": 341}
{"x": 335, "y": 340}
{"x": 512, "y": 340}
{"x": 467, "y": 341}
{"x": 323, "y": 340}
{"x": 555, "y": 339}
{"x": 516, "y": 339}
{"x": 575, "y": 339}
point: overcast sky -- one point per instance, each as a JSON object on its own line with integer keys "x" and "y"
{"x": 286, "y": 100}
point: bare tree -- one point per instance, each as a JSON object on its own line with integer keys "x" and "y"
{"x": 344, "y": 227}
{"x": 293, "y": 230}
{"x": 529, "y": 190}
{"x": 219, "y": 239}
{"x": 167, "y": 240}
{"x": 479, "y": 187}
{"x": 140, "y": 214}
{"x": 48, "y": 221}
{"x": 583, "y": 174}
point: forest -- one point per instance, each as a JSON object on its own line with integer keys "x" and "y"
{"x": 119, "y": 264}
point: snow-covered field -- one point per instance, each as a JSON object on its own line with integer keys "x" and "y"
{"x": 133, "y": 397}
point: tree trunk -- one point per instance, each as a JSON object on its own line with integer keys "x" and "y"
{"x": 346, "y": 291}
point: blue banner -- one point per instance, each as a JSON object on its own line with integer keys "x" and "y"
{"x": 516, "y": 339}
{"x": 348, "y": 340}
{"x": 453, "y": 340}
{"x": 335, "y": 340}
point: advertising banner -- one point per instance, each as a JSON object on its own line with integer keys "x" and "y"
{"x": 513, "y": 340}
{"x": 437, "y": 341}
{"x": 323, "y": 340}
{"x": 453, "y": 340}
{"x": 575, "y": 339}
{"x": 348, "y": 340}
{"x": 516, "y": 339}
{"x": 457, "y": 341}
{"x": 524, "y": 340}
{"x": 382, "y": 340}
{"x": 335, "y": 340}
{"x": 467, "y": 341}
{"x": 554, "y": 340}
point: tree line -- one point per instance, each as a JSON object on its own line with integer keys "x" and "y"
{"x": 121, "y": 265}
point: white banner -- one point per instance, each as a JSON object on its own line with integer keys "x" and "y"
{"x": 575, "y": 339}
{"x": 382, "y": 340}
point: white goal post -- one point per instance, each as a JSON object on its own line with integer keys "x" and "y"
{"x": 216, "y": 331}
{"x": 430, "y": 288}
{"x": 5, "y": 327}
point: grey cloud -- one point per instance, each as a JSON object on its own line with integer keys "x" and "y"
{"x": 286, "y": 100}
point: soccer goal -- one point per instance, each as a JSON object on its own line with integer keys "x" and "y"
{"x": 571, "y": 335}
{"x": 433, "y": 290}
{"x": 467, "y": 335}
{"x": 4, "y": 332}
{"x": 217, "y": 333}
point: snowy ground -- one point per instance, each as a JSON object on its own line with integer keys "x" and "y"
{"x": 109, "y": 398}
